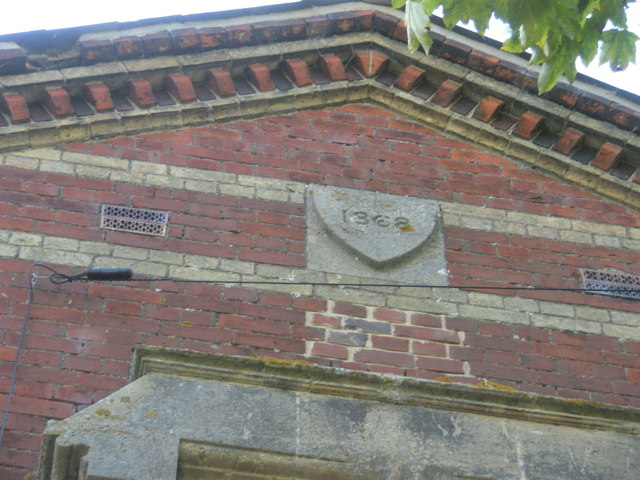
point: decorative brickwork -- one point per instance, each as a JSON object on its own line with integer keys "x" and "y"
{"x": 228, "y": 139}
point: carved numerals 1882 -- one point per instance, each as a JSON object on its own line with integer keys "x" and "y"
{"x": 366, "y": 218}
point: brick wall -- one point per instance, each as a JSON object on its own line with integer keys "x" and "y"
{"x": 235, "y": 194}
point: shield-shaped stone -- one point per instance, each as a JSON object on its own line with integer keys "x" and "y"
{"x": 380, "y": 229}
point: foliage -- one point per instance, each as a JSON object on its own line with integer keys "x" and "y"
{"x": 555, "y": 32}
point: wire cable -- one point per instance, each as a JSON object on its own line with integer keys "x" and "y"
{"x": 12, "y": 384}
{"x": 125, "y": 275}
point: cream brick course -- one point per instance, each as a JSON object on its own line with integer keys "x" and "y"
{"x": 127, "y": 177}
{"x": 559, "y": 309}
{"x": 237, "y": 191}
{"x": 620, "y": 331}
{"x": 21, "y": 162}
{"x": 237, "y": 266}
{"x": 350, "y": 295}
{"x": 162, "y": 256}
{"x": 8, "y": 251}
{"x": 521, "y": 304}
{"x": 55, "y": 166}
{"x": 425, "y": 305}
{"x": 204, "y": 274}
{"x": 59, "y": 256}
{"x": 93, "y": 172}
{"x": 120, "y": 251}
{"x": 43, "y": 153}
{"x": 201, "y": 262}
{"x": 565, "y": 323}
{"x": 22, "y": 238}
{"x": 576, "y": 237}
{"x": 55, "y": 243}
{"x": 593, "y": 314}
{"x": 95, "y": 248}
{"x": 275, "y": 196}
{"x": 607, "y": 242}
{"x": 146, "y": 167}
{"x": 198, "y": 174}
{"x": 510, "y": 228}
{"x": 494, "y": 314}
{"x": 96, "y": 160}
{"x": 599, "y": 228}
{"x": 435, "y": 301}
{"x": 484, "y": 300}
{"x": 625, "y": 318}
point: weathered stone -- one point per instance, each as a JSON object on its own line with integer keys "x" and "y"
{"x": 375, "y": 235}
{"x": 209, "y": 416}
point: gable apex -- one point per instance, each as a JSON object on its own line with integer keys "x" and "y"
{"x": 315, "y": 57}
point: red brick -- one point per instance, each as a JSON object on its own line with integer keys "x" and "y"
{"x": 185, "y": 40}
{"x": 447, "y": 92}
{"x": 41, "y": 407}
{"x": 439, "y": 365}
{"x": 239, "y": 35}
{"x": 409, "y": 78}
{"x": 221, "y": 83}
{"x": 180, "y": 86}
{"x": 260, "y": 76}
{"x": 331, "y": 66}
{"x": 390, "y": 343}
{"x": 434, "y": 334}
{"x": 122, "y": 308}
{"x": 384, "y": 358}
{"x": 298, "y": 71}
{"x": 328, "y": 350}
{"x": 607, "y": 156}
{"x": 16, "y": 106}
{"x": 430, "y": 349}
{"x": 342, "y": 308}
{"x": 128, "y": 47}
{"x": 58, "y": 102}
{"x": 141, "y": 92}
{"x": 212, "y": 37}
{"x": 487, "y": 109}
{"x": 100, "y": 382}
{"x": 394, "y": 316}
{"x": 269, "y": 342}
{"x": 156, "y": 43}
{"x": 528, "y": 124}
{"x": 370, "y": 63}
{"x": 569, "y": 141}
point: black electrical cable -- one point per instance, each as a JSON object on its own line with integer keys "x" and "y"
{"x": 126, "y": 275}
{"x": 23, "y": 332}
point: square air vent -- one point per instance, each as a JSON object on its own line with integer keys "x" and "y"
{"x": 615, "y": 284}
{"x": 135, "y": 220}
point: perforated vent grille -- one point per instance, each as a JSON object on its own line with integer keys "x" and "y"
{"x": 610, "y": 283}
{"x": 137, "y": 220}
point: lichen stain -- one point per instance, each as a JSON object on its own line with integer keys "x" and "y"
{"x": 494, "y": 386}
{"x": 406, "y": 228}
{"x": 151, "y": 414}
{"x": 125, "y": 399}
{"x": 103, "y": 412}
{"x": 186, "y": 323}
{"x": 278, "y": 362}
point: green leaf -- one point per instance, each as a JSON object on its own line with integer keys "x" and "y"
{"x": 589, "y": 49}
{"x": 549, "y": 75}
{"x": 618, "y": 48}
{"x": 431, "y": 5}
{"x": 398, "y": 3}
{"x": 513, "y": 45}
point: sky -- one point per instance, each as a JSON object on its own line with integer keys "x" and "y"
{"x": 27, "y": 15}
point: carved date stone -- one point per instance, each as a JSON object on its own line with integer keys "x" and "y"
{"x": 375, "y": 235}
